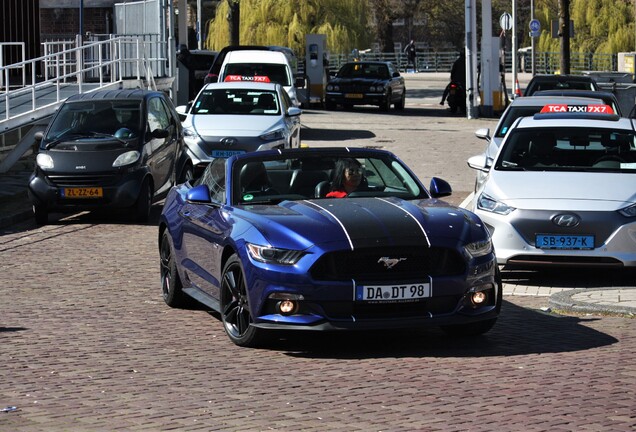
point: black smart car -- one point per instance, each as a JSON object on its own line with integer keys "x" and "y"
{"x": 366, "y": 83}
{"x": 109, "y": 149}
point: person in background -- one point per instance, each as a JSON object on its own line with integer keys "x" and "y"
{"x": 411, "y": 55}
{"x": 348, "y": 178}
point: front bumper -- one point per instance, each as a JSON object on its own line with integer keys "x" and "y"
{"x": 617, "y": 250}
{"x": 365, "y": 99}
{"x": 119, "y": 191}
{"x": 331, "y": 305}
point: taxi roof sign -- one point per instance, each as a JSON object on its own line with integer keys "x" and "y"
{"x": 565, "y": 108}
{"x": 255, "y": 78}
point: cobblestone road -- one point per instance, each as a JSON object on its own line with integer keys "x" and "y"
{"x": 87, "y": 344}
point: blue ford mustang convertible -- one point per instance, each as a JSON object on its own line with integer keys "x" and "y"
{"x": 260, "y": 239}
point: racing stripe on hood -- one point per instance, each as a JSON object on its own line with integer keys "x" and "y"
{"x": 363, "y": 220}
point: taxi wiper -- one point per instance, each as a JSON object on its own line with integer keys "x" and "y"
{"x": 77, "y": 135}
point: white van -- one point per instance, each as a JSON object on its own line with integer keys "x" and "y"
{"x": 270, "y": 64}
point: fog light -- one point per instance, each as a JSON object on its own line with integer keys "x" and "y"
{"x": 286, "y": 307}
{"x": 479, "y": 297}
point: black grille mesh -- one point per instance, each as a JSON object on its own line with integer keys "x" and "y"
{"x": 416, "y": 263}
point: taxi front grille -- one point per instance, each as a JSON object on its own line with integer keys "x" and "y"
{"x": 411, "y": 263}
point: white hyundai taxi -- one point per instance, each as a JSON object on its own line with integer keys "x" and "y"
{"x": 562, "y": 189}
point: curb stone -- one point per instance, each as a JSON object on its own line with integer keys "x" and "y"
{"x": 564, "y": 301}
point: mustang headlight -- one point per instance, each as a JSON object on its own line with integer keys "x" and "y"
{"x": 488, "y": 204}
{"x": 479, "y": 248}
{"x": 126, "y": 158}
{"x": 44, "y": 161}
{"x": 627, "y": 211}
{"x": 272, "y": 255}
{"x": 273, "y": 136}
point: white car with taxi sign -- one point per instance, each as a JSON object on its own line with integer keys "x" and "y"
{"x": 562, "y": 189}
{"x": 240, "y": 115}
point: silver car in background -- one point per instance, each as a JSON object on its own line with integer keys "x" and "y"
{"x": 562, "y": 190}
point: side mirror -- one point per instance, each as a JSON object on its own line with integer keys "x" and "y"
{"x": 480, "y": 162}
{"x": 440, "y": 188}
{"x": 483, "y": 133}
{"x": 199, "y": 194}
{"x": 294, "y": 111}
{"x": 396, "y": 74}
{"x": 299, "y": 82}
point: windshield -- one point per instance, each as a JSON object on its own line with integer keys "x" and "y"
{"x": 276, "y": 72}
{"x": 569, "y": 149}
{"x": 237, "y": 101}
{"x": 90, "y": 118}
{"x": 364, "y": 70}
{"x": 513, "y": 114}
{"x": 308, "y": 177}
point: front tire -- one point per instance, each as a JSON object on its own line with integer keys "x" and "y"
{"x": 386, "y": 103}
{"x": 41, "y": 215}
{"x": 141, "y": 208}
{"x": 402, "y": 102}
{"x": 171, "y": 286}
{"x": 235, "y": 308}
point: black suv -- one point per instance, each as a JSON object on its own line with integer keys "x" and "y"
{"x": 109, "y": 149}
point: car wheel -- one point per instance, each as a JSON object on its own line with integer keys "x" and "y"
{"x": 401, "y": 103}
{"x": 386, "y": 103}
{"x": 235, "y": 308}
{"x": 187, "y": 174}
{"x": 141, "y": 211}
{"x": 171, "y": 285}
{"x": 41, "y": 215}
{"x": 330, "y": 106}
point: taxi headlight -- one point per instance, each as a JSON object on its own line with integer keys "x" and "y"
{"x": 44, "y": 161}
{"x": 127, "y": 158}
{"x": 488, "y": 204}
{"x": 478, "y": 248}
{"x": 273, "y": 136}
{"x": 628, "y": 211}
{"x": 272, "y": 255}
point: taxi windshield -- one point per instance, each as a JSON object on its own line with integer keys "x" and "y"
{"x": 237, "y": 102}
{"x": 569, "y": 149}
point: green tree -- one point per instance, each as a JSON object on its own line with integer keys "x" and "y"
{"x": 286, "y": 22}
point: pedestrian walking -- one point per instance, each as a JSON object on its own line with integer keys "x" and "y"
{"x": 411, "y": 55}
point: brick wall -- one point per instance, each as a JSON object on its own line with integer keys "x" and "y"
{"x": 63, "y": 23}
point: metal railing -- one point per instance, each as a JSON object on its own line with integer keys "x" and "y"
{"x": 101, "y": 64}
{"x": 545, "y": 62}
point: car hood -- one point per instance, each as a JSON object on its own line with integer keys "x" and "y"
{"x": 242, "y": 125}
{"x": 562, "y": 190}
{"x": 363, "y": 222}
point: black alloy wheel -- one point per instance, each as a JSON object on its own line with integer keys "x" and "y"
{"x": 171, "y": 286}
{"x": 235, "y": 308}
{"x": 386, "y": 103}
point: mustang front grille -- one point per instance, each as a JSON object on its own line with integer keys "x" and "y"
{"x": 388, "y": 264}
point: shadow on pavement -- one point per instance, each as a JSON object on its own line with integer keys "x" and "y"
{"x": 518, "y": 331}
